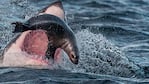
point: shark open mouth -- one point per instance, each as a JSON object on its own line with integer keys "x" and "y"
{"x": 36, "y": 44}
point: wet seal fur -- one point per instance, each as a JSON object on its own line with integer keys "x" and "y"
{"x": 60, "y": 35}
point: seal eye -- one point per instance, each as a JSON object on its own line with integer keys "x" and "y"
{"x": 73, "y": 58}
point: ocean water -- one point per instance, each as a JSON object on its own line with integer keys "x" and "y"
{"x": 112, "y": 35}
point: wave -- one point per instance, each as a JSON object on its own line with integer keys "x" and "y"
{"x": 34, "y": 76}
{"x": 99, "y": 56}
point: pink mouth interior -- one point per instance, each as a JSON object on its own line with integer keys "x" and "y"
{"x": 36, "y": 43}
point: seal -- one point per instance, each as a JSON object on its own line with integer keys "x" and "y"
{"x": 44, "y": 35}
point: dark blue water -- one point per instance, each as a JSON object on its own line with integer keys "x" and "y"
{"x": 112, "y": 35}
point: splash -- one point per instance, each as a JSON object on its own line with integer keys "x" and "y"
{"x": 99, "y": 56}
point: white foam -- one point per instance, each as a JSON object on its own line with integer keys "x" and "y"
{"x": 99, "y": 56}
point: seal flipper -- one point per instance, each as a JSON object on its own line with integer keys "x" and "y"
{"x": 50, "y": 52}
{"x": 20, "y": 27}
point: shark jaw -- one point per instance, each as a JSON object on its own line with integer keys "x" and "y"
{"x": 29, "y": 50}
